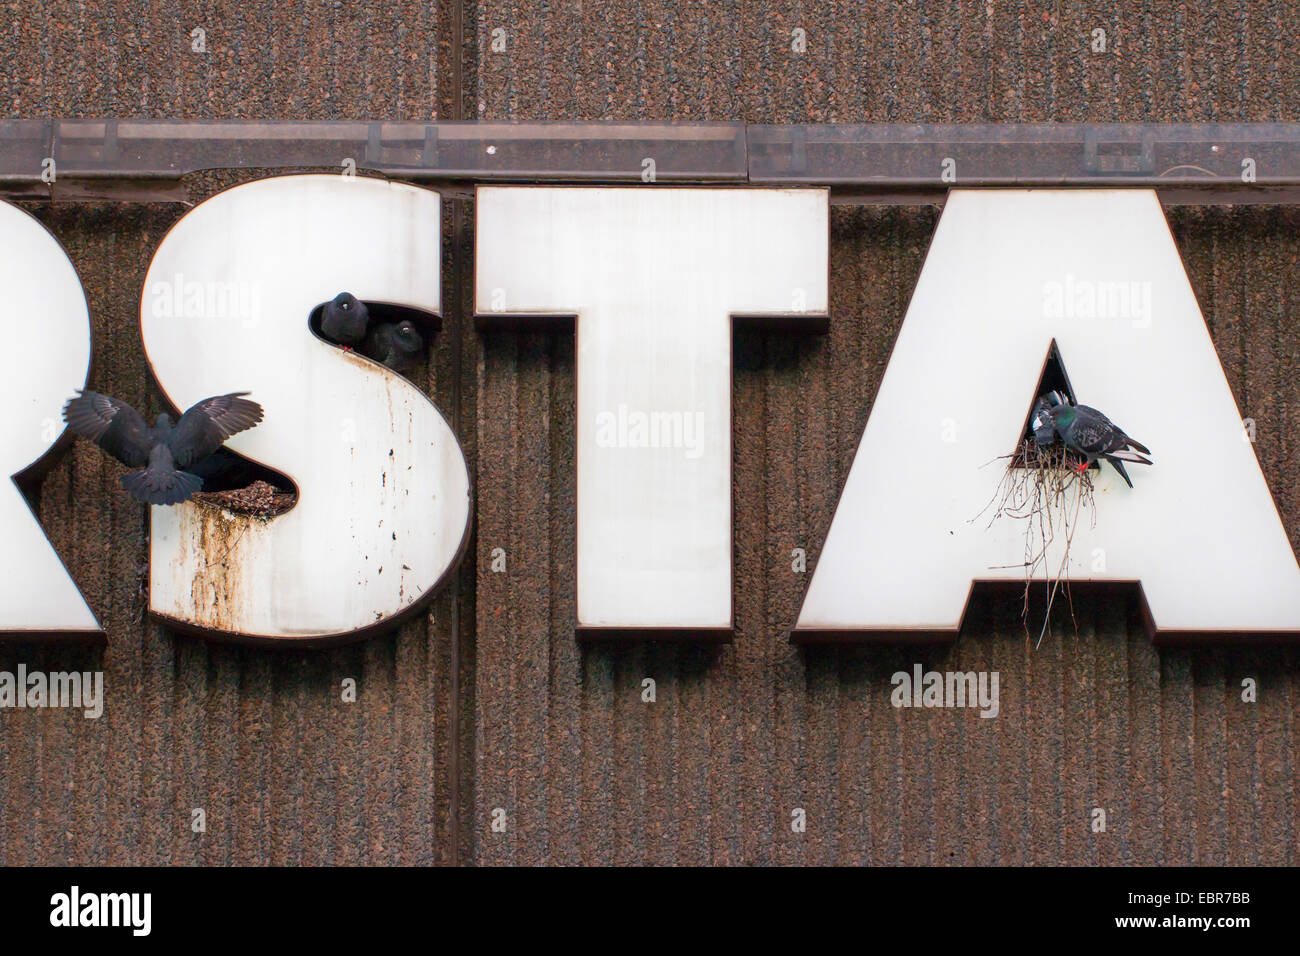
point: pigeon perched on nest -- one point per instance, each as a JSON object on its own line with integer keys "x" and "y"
{"x": 1040, "y": 422}
{"x": 396, "y": 344}
{"x": 344, "y": 320}
{"x": 162, "y": 454}
{"x": 1088, "y": 432}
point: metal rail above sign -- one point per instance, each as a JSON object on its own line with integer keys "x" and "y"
{"x": 1186, "y": 162}
{"x": 891, "y": 164}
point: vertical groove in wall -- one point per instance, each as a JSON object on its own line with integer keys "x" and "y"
{"x": 458, "y": 271}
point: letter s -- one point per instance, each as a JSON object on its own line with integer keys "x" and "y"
{"x": 45, "y": 330}
{"x": 383, "y": 487}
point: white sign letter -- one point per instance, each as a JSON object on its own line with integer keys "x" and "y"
{"x": 45, "y": 328}
{"x": 383, "y": 487}
{"x": 654, "y": 277}
{"x": 1008, "y": 272}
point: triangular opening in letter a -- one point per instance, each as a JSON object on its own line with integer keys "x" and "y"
{"x": 1053, "y": 378}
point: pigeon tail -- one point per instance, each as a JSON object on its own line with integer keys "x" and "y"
{"x": 1137, "y": 445}
{"x": 1119, "y": 466}
{"x": 1127, "y": 455}
{"x": 154, "y": 487}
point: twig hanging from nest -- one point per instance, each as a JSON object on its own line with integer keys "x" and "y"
{"x": 1036, "y": 488}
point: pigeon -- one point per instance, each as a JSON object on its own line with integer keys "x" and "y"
{"x": 1087, "y": 431}
{"x": 164, "y": 452}
{"x": 344, "y": 319}
{"x": 1040, "y": 422}
{"x": 396, "y": 344}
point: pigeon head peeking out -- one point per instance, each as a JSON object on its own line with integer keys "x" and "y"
{"x": 408, "y": 336}
{"x": 349, "y": 323}
{"x": 345, "y": 320}
{"x": 399, "y": 345}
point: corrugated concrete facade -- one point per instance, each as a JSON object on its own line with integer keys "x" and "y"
{"x": 488, "y": 702}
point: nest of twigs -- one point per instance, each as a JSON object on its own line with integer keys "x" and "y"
{"x": 260, "y": 499}
{"x": 1044, "y": 488}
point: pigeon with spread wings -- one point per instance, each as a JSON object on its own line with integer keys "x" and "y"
{"x": 161, "y": 454}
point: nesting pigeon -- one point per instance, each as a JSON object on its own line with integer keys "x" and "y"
{"x": 397, "y": 344}
{"x": 1040, "y": 422}
{"x": 344, "y": 319}
{"x": 1090, "y": 433}
{"x": 164, "y": 452}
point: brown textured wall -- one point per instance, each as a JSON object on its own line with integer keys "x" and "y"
{"x": 556, "y": 734}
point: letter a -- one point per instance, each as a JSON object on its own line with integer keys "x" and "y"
{"x": 1198, "y": 530}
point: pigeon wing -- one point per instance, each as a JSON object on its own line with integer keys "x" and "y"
{"x": 210, "y": 422}
{"x": 110, "y": 423}
{"x": 1094, "y": 433}
{"x": 1136, "y": 445}
{"x": 1088, "y": 436}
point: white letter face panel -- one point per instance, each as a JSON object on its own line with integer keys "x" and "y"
{"x": 654, "y": 276}
{"x": 45, "y": 331}
{"x": 383, "y": 487}
{"x": 1009, "y": 271}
